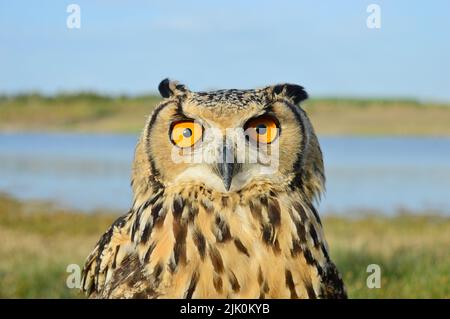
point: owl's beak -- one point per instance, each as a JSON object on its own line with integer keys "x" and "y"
{"x": 227, "y": 167}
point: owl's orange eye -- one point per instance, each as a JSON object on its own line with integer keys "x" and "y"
{"x": 262, "y": 129}
{"x": 186, "y": 133}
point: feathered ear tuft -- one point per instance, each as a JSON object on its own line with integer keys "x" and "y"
{"x": 168, "y": 88}
{"x": 294, "y": 92}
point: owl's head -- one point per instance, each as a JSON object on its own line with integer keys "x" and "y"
{"x": 229, "y": 140}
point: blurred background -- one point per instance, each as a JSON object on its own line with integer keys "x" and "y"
{"x": 79, "y": 78}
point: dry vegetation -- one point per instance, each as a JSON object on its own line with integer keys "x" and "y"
{"x": 378, "y": 117}
{"x": 95, "y": 113}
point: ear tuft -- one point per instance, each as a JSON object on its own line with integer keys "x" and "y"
{"x": 294, "y": 92}
{"x": 168, "y": 88}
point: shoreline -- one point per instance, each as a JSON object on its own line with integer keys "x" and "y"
{"x": 36, "y": 205}
{"x": 331, "y": 117}
{"x": 43, "y": 131}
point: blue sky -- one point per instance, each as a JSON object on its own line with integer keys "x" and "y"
{"x": 127, "y": 47}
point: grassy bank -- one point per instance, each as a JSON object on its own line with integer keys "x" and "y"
{"x": 38, "y": 242}
{"x": 87, "y": 112}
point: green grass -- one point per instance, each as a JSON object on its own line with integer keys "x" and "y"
{"x": 85, "y": 112}
{"x": 90, "y": 112}
{"x": 39, "y": 241}
{"x": 412, "y": 251}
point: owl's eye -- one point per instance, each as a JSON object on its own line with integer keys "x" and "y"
{"x": 186, "y": 133}
{"x": 263, "y": 129}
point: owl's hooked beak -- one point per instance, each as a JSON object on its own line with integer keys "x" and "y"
{"x": 227, "y": 166}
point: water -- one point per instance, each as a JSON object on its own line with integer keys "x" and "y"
{"x": 87, "y": 172}
{"x": 387, "y": 174}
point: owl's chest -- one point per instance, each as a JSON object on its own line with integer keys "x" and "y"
{"x": 235, "y": 253}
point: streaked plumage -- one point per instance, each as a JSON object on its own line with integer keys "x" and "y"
{"x": 192, "y": 233}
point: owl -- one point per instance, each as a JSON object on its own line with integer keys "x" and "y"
{"x": 224, "y": 186}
